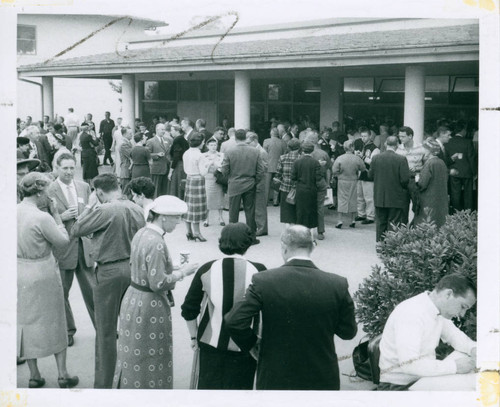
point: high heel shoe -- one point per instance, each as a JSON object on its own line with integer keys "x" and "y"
{"x": 67, "y": 382}
{"x": 199, "y": 237}
{"x": 338, "y": 225}
{"x": 36, "y": 383}
{"x": 352, "y": 225}
{"x": 189, "y": 236}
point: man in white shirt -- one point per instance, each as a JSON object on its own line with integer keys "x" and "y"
{"x": 414, "y": 328}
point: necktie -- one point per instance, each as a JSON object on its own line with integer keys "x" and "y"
{"x": 71, "y": 198}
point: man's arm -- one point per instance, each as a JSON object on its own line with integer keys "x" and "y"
{"x": 259, "y": 172}
{"x": 239, "y": 319}
{"x": 347, "y": 327}
{"x": 456, "y": 338}
{"x": 404, "y": 172}
{"x": 90, "y": 221}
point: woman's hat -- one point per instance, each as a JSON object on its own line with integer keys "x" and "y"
{"x": 294, "y": 144}
{"x": 432, "y": 145}
{"x": 168, "y": 205}
{"x": 32, "y": 163}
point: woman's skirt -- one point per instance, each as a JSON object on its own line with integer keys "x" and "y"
{"x": 196, "y": 199}
{"x": 41, "y": 318}
{"x": 347, "y": 196}
{"x": 215, "y": 194}
{"x": 144, "y": 347}
{"x": 287, "y": 211}
{"x": 140, "y": 170}
{"x": 307, "y": 207}
{"x": 89, "y": 163}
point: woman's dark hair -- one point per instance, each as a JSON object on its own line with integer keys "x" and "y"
{"x": 195, "y": 139}
{"x": 138, "y": 137}
{"x": 142, "y": 185}
{"x": 235, "y": 238}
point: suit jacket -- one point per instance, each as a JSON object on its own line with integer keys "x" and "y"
{"x": 68, "y": 258}
{"x": 467, "y": 166}
{"x": 390, "y": 174}
{"x": 244, "y": 168}
{"x": 275, "y": 148}
{"x": 160, "y": 165}
{"x": 302, "y": 309}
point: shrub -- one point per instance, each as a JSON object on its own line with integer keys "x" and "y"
{"x": 414, "y": 260}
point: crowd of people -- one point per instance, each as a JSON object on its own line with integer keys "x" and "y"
{"x": 108, "y": 229}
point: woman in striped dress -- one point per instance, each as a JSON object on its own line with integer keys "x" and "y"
{"x": 215, "y": 288}
{"x": 195, "y": 196}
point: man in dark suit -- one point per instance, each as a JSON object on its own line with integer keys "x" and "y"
{"x": 302, "y": 309}
{"x": 159, "y": 149}
{"x": 244, "y": 168}
{"x": 106, "y": 133}
{"x": 275, "y": 147}
{"x": 390, "y": 174}
{"x": 72, "y": 196}
{"x": 40, "y": 148}
{"x": 461, "y": 152}
{"x": 200, "y": 128}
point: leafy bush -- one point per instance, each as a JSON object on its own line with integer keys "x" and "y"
{"x": 414, "y": 260}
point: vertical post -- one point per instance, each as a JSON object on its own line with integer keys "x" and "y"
{"x": 128, "y": 102}
{"x": 414, "y": 107}
{"x": 241, "y": 100}
{"x": 330, "y": 102}
{"x": 48, "y": 96}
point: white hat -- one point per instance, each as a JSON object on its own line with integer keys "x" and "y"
{"x": 168, "y": 205}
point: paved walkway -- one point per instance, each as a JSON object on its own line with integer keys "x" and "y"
{"x": 347, "y": 252}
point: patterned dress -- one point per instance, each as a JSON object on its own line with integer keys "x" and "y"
{"x": 145, "y": 339}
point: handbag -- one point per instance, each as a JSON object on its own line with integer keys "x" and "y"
{"x": 329, "y": 197}
{"x": 291, "y": 197}
{"x": 365, "y": 358}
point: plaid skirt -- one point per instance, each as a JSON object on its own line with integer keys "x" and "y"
{"x": 196, "y": 199}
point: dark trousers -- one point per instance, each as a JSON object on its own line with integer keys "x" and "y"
{"x": 112, "y": 281}
{"x": 248, "y": 198}
{"x": 86, "y": 280}
{"x": 161, "y": 184}
{"x": 261, "y": 207}
{"x": 459, "y": 199}
{"x": 108, "y": 141}
{"x": 225, "y": 370}
{"x": 321, "y": 211}
{"x": 384, "y": 217}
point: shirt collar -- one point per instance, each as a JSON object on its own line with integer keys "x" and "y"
{"x": 299, "y": 258}
{"x": 65, "y": 186}
{"x": 429, "y": 304}
{"x": 155, "y": 228}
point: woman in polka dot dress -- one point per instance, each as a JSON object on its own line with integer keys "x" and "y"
{"x": 144, "y": 346}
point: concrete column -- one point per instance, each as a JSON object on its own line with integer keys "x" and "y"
{"x": 330, "y": 108}
{"x": 48, "y": 96}
{"x": 415, "y": 101}
{"x": 241, "y": 100}
{"x": 128, "y": 100}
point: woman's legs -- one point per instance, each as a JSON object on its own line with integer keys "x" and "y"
{"x": 33, "y": 366}
{"x": 61, "y": 364}
{"x": 221, "y": 218}
{"x": 207, "y": 221}
{"x": 189, "y": 231}
{"x": 196, "y": 228}
{"x": 339, "y": 218}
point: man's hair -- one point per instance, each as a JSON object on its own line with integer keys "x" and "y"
{"x": 201, "y": 122}
{"x": 392, "y": 141}
{"x": 297, "y": 237}
{"x": 241, "y": 135}
{"x": 157, "y": 126}
{"x": 32, "y": 129}
{"x": 312, "y": 137}
{"x": 218, "y": 128}
{"x": 70, "y": 110}
{"x": 138, "y": 137}
{"x": 188, "y": 121}
{"x": 442, "y": 130}
{"x": 106, "y": 182}
{"x": 407, "y": 130}
{"x": 274, "y": 132}
{"x": 57, "y": 127}
{"x": 65, "y": 156}
{"x": 195, "y": 140}
{"x": 89, "y": 114}
{"x": 251, "y": 137}
{"x": 364, "y": 129}
{"x": 231, "y": 130}
{"x": 107, "y": 113}
{"x": 458, "y": 283}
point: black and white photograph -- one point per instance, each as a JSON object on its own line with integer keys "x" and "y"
{"x": 251, "y": 197}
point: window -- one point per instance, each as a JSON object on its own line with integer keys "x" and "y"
{"x": 26, "y": 40}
